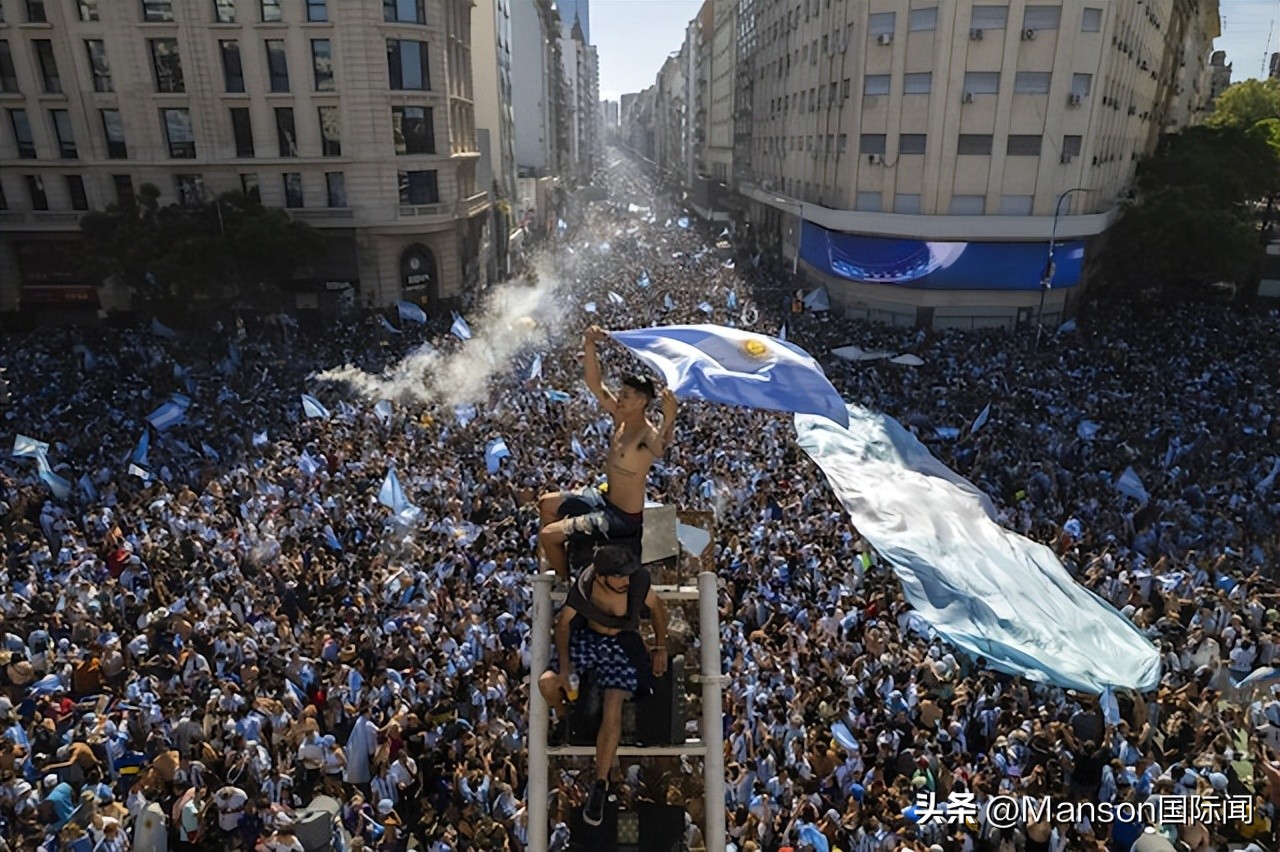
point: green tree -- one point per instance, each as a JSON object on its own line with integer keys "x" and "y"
{"x": 1246, "y": 103}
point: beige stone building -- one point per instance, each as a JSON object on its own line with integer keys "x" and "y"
{"x": 355, "y": 116}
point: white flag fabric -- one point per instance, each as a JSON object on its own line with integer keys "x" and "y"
{"x": 259, "y": 439}
{"x": 616, "y": 298}
{"x": 818, "y": 300}
{"x": 460, "y": 329}
{"x": 535, "y": 371}
{"x": 908, "y": 360}
{"x": 383, "y": 411}
{"x": 981, "y": 419}
{"x": 59, "y": 486}
{"x": 589, "y": 307}
{"x": 985, "y": 589}
{"x": 25, "y": 447}
{"x": 1130, "y": 485}
{"x": 312, "y": 407}
{"x": 392, "y": 495}
{"x": 141, "y": 473}
{"x": 409, "y": 312}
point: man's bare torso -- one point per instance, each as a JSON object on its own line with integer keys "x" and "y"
{"x": 627, "y": 466}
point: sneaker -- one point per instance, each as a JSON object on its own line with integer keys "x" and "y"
{"x": 593, "y": 813}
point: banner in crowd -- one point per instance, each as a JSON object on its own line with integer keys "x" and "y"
{"x": 985, "y": 589}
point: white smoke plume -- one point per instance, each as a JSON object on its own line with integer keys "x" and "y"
{"x": 511, "y": 320}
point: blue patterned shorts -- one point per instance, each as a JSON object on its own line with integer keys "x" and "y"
{"x": 604, "y": 656}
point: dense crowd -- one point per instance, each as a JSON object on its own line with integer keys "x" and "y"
{"x": 203, "y": 645}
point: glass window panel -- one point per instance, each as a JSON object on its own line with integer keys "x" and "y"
{"x": 989, "y": 18}
{"x": 35, "y": 191}
{"x": 22, "y": 133}
{"x": 167, "y": 65}
{"x": 330, "y": 132}
{"x": 881, "y": 23}
{"x": 912, "y": 143}
{"x": 322, "y": 64}
{"x": 286, "y": 137}
{"x": 869, "y": 202}
{"x": 177, "y": 128}
{"x": 242, "y": 129}
{"x": 66, "y": 136}
{"x": 1041, "y": 17}
{"x": 1032, "y": 82}
{"x": 871, "y": 143}
{"x": 113, "y": 130}
{"x": 98, "y": 65}
{"x": 968, "y": 205}
{"x": 277, "y": 65}
{"x": 75, "y": 189}
{"x": 48, "y": 66}
{"x": 918, "y": 83}
{"x": 293, "y": 190}
{"x": 232, "y": 70}
{"x": 336, "y": 184}
{"x": 271, "y": 11}
{"x": 224, "y": 11}
{"x": 923, "y": 20}
{"x": 982, "y": 82}
{"x": 876, "y": 84}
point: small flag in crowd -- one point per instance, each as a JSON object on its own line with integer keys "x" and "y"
{"x": 683, "y": 221}
{"x": 171, "y": 413}
{"x": 557, "y": 395}
{"x": 140, "y": 450}
{"x": 59, "y": 486}
{"x": 1131, "y": 486}
{"x": 464, "y": 414}
{"x": 732, "y": 299}
{"x": 141, "y": 473}
{"x": 1264, "y": 484}
{"x": 388, "y": 326}
{"x": 308, "y": 465}
{"x": 494, "y": 452}
{"x": 589, "y": 307}
{"x": 616, "y": 298}
{"x": 782, "y": 332}
{"x": 331, "y": 538}
{"x": 981, "y": 419}
{"x": 259, "y": 439}
{"x": 313, "y": 408}
{"x": 87, "y": 489}
{"x": 383, "y": 411}
{"x": 86, "y": 357}
{"x": 668, "y": 302}
{"x": 460, "y": 328}
{"x": 818, "y": 300}
{"x": 24, "y": 447}
{"x": 706, "y": 308}
{"x": 210, "y": 452}
{"x": 643, "y": 281}
{"x": 392, "y": 494}
{"x": 1087, "y": 430}
{"x": 535, "y": 371}
{"x": 907, "y": 360}
{"x": 160, "y": 330}
{"x": 576, "y": 446}
{"x": 409, "y": 312}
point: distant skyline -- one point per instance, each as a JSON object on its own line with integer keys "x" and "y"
{"x": 635, "y": 37}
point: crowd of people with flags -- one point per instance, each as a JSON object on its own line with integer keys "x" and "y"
{"x": 231, "y": 587}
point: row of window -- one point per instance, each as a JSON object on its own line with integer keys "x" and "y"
{"x": 413, "y": 132}
{"x": 407, "y": 66}
{"x": 921, "y": 83}
{"x": 224, "y": 11}
{"x": 1016, "y": 145}
{"x": 418, "y": 187}
{"x": 961, "y": 205}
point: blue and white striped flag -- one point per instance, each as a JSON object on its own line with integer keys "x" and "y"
{"x": 576, "y": 446}
{"x": 464, "y": 414}
{"x": 494, "y": 452}
{"x": 144, "y": 475}
{"x": 312, "y": 407}
{"x": 616, "y": 298}
{"x": 732, "y": 299}
{"x": 1131, "y": 486}
{"x": 668, "y": 302}
{"x": 331, "y": 538}
{"x": 140, "y": 450}
{"x": 59, "y": 486}
{"x": 387, "y": 325}
{"x": 259, "y": 439}
{"x": 308, "y": 465}
{"x": 535, "y": 371}
{"x": 460, "y": 329}
{"x": 706, "y": 308}
{"x": 409, "y": 312}
{"x": 30, "y": 448}
{"x": 557, "y": 395}
{"x": 171, "y": 413}
{"x": 210, "y": 452}
{"x": 981, "y": 419}
{"x": 392, "y": 494}
{"x": 383, "y": 411}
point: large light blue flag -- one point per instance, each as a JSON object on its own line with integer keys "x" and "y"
{"x": 494, "y": 452}
{"x": 984, "y": 588}
{"x": 460, "y": 329}
{"x": 392, "y": 495}
{"x": 59, "y": 486}
{"x": 140, "y": 450}
{"x": 170, "y": 414}
{"x": 1130, "y": 485}
{"x": 616, "y": 298}
{"x": 312, "y": 407}
{"x": 29, "y": 448}
{"x": 409, "y": 312}
{"x": 736, "y": 367}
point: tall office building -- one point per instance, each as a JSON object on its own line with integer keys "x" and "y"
{"x": 491, "y": 66}
{"x": 355, "y": 116}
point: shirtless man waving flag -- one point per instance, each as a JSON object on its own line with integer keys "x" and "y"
{"x": 634, "y": 445}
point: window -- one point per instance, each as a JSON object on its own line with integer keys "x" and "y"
{"x": 413, "y": 129}
{"x": 177, "y": 130}
{"x": 1016, "y": 205}
{"x": 124, "y": 190}
{"x": 242, "y": 128}
{"x": 1091, "y": 22}
{"x": 922, "y": 20}
{"x": 407, "y": 65}
{"x": 917, "y": 84}
{"x": 868, "y": 202}
{"x": 876, "y": 84}
{"x": 1031, "y": 83}
{"x": 157, "y": 11}
{"x": 22, "y": 134}
{"x": 277, "y": 65}
{"x": 978, "y": 144}
{"x": 232, "y": 71}
{"x": 4, "y": 202}
{"x": 842, "y": 144}
{"x": 271, "y": 11}
{"x": 322, "y": 64}
{"x": 35, "y": 190}
{"x": 66, "y": 136}
{"x": 988, "y": 18}
{"x": 330, "y": 132}
{"x": 168, "y": 65}
{"x": 336, "y": 185}
{"x": 405, "y": 11}
{"x": 48, "y": 66}
{"x": 981, "y": 82}
{"x": 968, "y": 205}
{"x": 98, "y": 65}
{"x": 911, "y": 143}
{"x": 419, "y": 188}
{"x": 317, "y": 10}
{"x": 249, "y": 186}
{"x": 8, "y": 76}
{"x": 190, "y": 189}
{"x": 1041, "y": 17}
{"x": 1081, "y": 84}
{"x": 293, "y": 190}
{"x": 1071, "y": 145}
{"x": 871, "y": 143}
{"x": 36, "y": 15}
{"x": 881, "y": 23}
{"x": 88, "y": 10}
{"x": 906, "y": 203}
{"x": 75, "y": 189}
{"x": 224, "y": 11}
{"x": 285, "y": 135}
{"x": 113, "y": 130}
{"x": 1023, "y": 145}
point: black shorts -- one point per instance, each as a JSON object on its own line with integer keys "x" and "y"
{"x": 591, "y": 514}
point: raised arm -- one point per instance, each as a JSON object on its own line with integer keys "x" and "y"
{"x": 591, "y": 366}
{"x": 667, "y": 430}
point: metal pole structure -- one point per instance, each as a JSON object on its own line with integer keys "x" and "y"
{"x": 537, "y": 796}
{"x": 1046, "y": 278}
{"x": 712, "y": 721}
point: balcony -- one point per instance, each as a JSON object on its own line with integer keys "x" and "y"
{"x": 473, "y": 205}
{"x": 438, "y": 209}
{"x": 320, "y": 214}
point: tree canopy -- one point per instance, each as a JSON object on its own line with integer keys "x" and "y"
{"x": 1245, "y": 104}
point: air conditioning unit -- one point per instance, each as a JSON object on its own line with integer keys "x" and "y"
{"x": 975, "y": 35}
{"x": 1073, "y": 99}
{"x": 1066, "y": 158}
{"x": 884, "y": 38}
{"x": 1028, "y": 35}
{"x": 875, "y": 159}
{"x": 967, "y": 98}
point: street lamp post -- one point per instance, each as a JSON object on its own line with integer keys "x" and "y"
{"x": 1046, "y": 277}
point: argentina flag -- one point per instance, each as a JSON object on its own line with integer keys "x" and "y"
{"x": 173, "y": 412}
{"x": 26, "y": 447}
{"x": 735, "y": 367}
{"x": 494, "y": 452}
{"x": 409, "y": 312}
